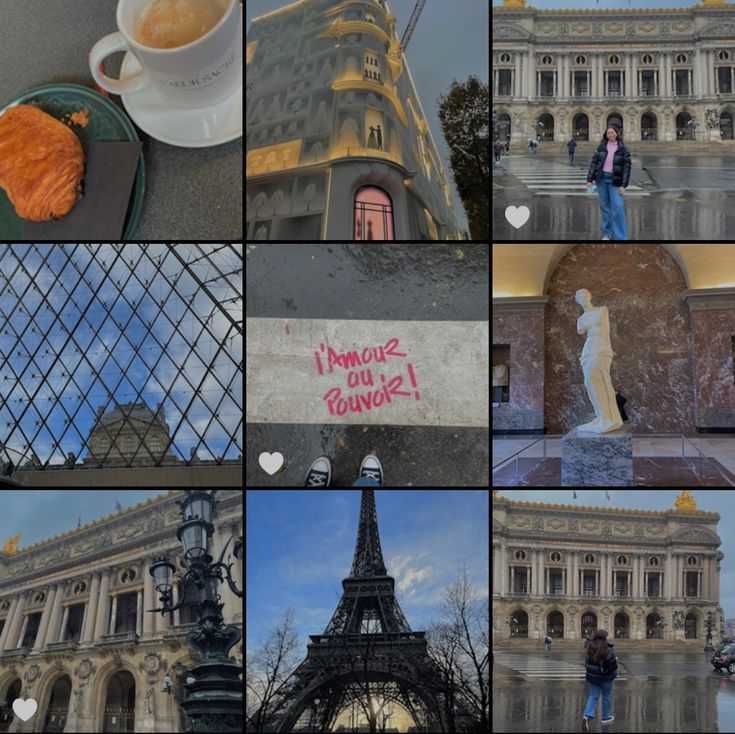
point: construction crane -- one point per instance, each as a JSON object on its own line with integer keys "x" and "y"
{"x": 412, "y": 23}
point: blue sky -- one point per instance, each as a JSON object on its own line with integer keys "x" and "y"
{"x": 450, "y": 42}
{"x": 711, "y": 500}
{"x": 39, "y": 514}
{"x": 606, "y": 4}
{"x": 300, "y": 545}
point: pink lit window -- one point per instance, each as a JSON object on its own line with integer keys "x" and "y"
{"x": 373, "y": 214}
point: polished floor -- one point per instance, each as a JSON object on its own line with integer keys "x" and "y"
{"x": 657, "y": 461}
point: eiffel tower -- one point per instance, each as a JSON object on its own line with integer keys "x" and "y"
{"x": 368, "y": 650}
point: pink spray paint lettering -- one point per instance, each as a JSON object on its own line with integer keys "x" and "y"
{"x": 385, "y": 390}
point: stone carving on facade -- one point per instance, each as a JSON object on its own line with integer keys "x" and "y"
{"x": 85, "y": 668}
{"x": 509, "y": 32}
{"x": 130, "y": 531}
{"x": 149, "y": 697}
{"x": 78, "y": 694}
{"x": 32, "y": 673}
{"x": 677, "y": 619}
{"x": 152, "y": 664}
{"x": 712, "y": 118}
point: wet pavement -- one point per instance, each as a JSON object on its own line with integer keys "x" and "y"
{"x": 672, "y": 198}
{"x": 442, "y": 287}
{"x": 666, "y": 692}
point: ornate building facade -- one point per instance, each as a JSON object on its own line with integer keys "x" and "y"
{"x": 565, "y": 571}
{"x": 75, "y": 631}
{"x": 659, "y": 74}
{"x": 338, "y": 146}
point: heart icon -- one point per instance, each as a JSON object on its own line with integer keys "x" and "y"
{"x": 517, "y": 216}
{"x": 24, "y": 710}
{"x": 270, "y": 463}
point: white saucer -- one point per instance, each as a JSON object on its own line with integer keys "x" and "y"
{"x": 201, "y": 128}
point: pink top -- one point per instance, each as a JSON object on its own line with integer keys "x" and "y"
{"x": 611, "y": 148}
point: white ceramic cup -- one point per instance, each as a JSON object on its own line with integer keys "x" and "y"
{"x": 196, "y": 75}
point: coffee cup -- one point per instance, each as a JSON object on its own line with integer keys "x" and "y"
{"x": 195, "y": 75}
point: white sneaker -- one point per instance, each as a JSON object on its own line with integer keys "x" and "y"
{"x": 605, "y": 238}
{"x": 608, "y": 721}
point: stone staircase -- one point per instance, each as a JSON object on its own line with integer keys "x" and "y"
{"x": 586, "y": 148}
{"x": 621, "y": 645}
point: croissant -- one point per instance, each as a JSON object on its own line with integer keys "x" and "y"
{"x": 41, "y": 163}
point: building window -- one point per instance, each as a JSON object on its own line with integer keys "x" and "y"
{"x": 155, "y": 444}
{"x": 373, "y": 214}
{"x": 129, "y": 444}
{"x": 372, "y": 67}
{"x": 103, "y": 445}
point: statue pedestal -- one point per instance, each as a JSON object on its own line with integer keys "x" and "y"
{"x": 597, "y": 459}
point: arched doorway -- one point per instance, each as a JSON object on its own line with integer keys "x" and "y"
{"x": 581, "y": 126}
{"x": 503, "y": 127}
{"x": 58, "y": 706}
{"x": 119, "y": 712}
{"x": 654, "y": 627}
{"x": 545, "y": 127}
{"x": 684, "y": 131}
{"x": 690, "y": 626}
{"x": 373, "y": 215}
{"x": 726, "y": 127}
{"x": 518, "y": 622}
{"x": 589, "y": 624}
{"x": 621, "y": 626}
{"x": 6, "y": 705}
{"x": 555, "y": 624}
{"x": 614, "y": 120}
{"x": 649, "y": 126}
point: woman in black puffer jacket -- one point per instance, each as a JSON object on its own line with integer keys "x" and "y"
{"x": 610, "y": 170}
{"x": 601, "y": 667}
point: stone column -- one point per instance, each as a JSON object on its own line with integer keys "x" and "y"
{"x": 8, "y": 622}
{"x": 601, "y": 75}
{"x": 94, "y": 592}
{"x": 661, "y": 89}
{"x": 23, "y": 630}
{"x": 176, "y": 597}
{"x": 512, "y": 579}
{"x": 139, "y": 615}
{"x": 495, "y": 82}
{"x": 41, "y": 635}
{"x": 569, "y": 576}
{"x": 531, "y": 69}
{"x": 699, "y": 91}
{"x": 52, "y": 634}
{"x": 592, "y": 86}
{"x": 626, "y": 78}
{"x": 113, "y": 615}
{"x": 149, "y": 600}
{"x": 64, "y": 621}
{"x": 515, "y": 91}
{"x": 103, "y": 606}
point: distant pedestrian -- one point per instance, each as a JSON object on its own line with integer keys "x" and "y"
{"x": 547, "y": 644}
{"x": 532, "y": 145}
{"x": 601, "y": 668}
{"x": 498, "y": 150}
{"x": 610, "y": 170}
{"x": 571, "y": 147}
{"x": 587, "y": 640}
{"x": 507, "y": 147}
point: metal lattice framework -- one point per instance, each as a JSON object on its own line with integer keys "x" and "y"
{"x": 101, "y": 341}
{"x": 367, "y": 645}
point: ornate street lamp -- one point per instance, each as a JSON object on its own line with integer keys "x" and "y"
{"x": 214, "y": 701}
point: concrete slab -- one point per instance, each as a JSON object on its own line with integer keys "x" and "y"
{"x": 350, "y": 371}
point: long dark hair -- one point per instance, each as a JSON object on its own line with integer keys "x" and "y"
{"x": 617, "y": 130}
{"x": 597, "y": 648}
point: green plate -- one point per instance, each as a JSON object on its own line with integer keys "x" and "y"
{"x": 106, "y": 122}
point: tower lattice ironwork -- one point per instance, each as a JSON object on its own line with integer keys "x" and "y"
{"x": 368, "y": 649}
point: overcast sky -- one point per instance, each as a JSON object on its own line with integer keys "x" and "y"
{"x": 711, "y": 500}
{"x": 607, "y": 4}
{"x": 300, "y": 545}
{"x": 450, "y": 42}
{"x": 39, "y": 514}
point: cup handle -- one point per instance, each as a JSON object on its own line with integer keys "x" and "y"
{"x": 100, "y": 51}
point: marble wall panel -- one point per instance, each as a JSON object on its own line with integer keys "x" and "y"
{"x": 650, "y": 331}
{"x": 712, "y": 332}
{"x": 524, "y": 332}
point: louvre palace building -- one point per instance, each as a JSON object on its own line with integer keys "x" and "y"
{"x": 566, "y": 571}
{"x": 663, "y": 74}
{"x": 76, "y": 633}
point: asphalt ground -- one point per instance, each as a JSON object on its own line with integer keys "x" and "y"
{"x": 436, "y": 296}
{"x": 664, "y": 692}
{"x": 670, "y": 198}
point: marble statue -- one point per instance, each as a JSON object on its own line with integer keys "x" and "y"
{"x": 596, "y": 360}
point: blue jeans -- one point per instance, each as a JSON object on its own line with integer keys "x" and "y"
{"x": 595, "y": 690}
{"x": 612, "y": 209}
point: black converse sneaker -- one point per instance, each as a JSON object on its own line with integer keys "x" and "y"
{"x": 371, "y": 469}
{"x": 319, "y": 474}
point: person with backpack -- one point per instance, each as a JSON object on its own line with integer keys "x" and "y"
{"x": 601, "y": 667}
{"x": 547, "y": 644}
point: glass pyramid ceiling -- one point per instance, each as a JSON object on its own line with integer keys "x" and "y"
{"x": 100, "y": 342}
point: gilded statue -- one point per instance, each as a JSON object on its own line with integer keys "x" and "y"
{"x": 11, "y": 546}
{"x": 686, "y": 501}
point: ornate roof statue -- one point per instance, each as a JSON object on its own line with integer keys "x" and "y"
{"x": 11, "y": 546}
{"x": 514, "y": 3}
{"x": 686, "y": 501}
